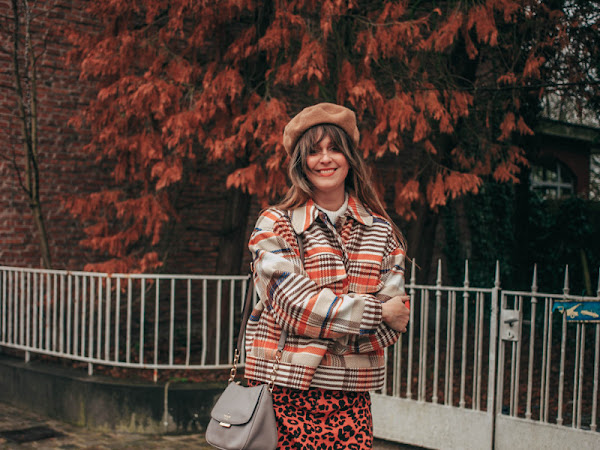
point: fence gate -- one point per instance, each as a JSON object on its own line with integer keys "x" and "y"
{"x": 492, "y": 369}
{"x": 547, "y": 381}
{"x": 440, "y": 387}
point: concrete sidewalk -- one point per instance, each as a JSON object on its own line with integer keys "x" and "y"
{"x": 72, "y": 437}
{"x": 42, "y": 433}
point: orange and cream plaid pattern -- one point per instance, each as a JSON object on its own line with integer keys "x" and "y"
{"x": 330, "y": 305}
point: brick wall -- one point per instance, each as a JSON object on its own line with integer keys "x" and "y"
{"x": 63, "y": 167}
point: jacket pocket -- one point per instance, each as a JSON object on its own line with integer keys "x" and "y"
{"x": 364, "y": 277}
{"x": 324, "y": 268}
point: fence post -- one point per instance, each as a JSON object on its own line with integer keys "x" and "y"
{"x": 412, "y": 293}
{"x": 493, "y": 366}
{"x": 534, "y": 301}
{"x": 438, "y": 299}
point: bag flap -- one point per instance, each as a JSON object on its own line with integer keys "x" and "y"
{"x": 237, "y": 403}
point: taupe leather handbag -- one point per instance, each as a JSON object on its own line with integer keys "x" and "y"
{"x": 243, "y": 418}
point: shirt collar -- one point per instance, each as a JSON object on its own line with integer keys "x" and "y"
{"x": 303, "y": 216}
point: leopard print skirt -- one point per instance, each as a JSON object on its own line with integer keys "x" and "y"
{"x": 322, "y": 419}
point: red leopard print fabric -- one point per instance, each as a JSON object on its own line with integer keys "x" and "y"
{"x": 320, "y": 419}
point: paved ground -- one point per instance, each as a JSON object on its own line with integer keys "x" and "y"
{"x": 73, "y": 437}
{"x": 39, "y": 428}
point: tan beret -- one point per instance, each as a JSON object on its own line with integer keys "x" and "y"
{"x": 322, "y": 113}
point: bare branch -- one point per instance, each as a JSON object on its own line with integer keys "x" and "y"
{"x": 13, "y": 161}
{"x": 25, "y": 75}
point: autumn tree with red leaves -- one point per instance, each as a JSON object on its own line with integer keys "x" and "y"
{"x": 444, "y": 93}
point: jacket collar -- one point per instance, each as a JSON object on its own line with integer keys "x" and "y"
{"x": 303, "y": 216}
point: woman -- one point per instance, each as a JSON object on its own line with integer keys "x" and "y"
{"x": 341, "y": 302}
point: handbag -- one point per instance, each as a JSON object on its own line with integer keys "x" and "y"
{"x": 243, "y": 417}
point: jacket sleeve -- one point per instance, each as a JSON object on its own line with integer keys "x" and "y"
{"x": 392, "y": 276}
{"x": 297, "y": 303}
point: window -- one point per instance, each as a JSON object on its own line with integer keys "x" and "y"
{"x": 552, "y": 180}
{"x": 595, "y": 176}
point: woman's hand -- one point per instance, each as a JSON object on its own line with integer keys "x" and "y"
{"x": 395, "y": 313}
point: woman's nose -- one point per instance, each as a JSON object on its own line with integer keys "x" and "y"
{"x": 325, "y": 155}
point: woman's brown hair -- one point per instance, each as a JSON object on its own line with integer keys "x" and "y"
{"x": 358, "y": 181}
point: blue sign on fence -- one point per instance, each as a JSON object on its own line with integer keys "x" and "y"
{"x": 579, "y": 311}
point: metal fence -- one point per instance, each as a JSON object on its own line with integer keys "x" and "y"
{"x": 441, "y": 374}
{"x": 478, "y": 367}
{"x": 487, "y": 368}
{"x": 123, "y": 320}
{"x": 547, "y": 380}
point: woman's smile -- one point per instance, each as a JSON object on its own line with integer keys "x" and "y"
{"x": 326, "y": 172}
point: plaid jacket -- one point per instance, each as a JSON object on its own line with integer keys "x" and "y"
{"x": 330, "y": 305}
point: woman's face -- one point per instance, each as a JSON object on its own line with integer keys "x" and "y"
{"x": 327, "y": 168}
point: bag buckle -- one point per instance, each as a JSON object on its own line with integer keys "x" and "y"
{"x": 275, "y": 369}
{"x": 225, "y": 424}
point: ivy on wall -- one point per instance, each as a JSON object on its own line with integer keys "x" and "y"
{"x": 566, "y": 231}
{"x": 558, "y": 233}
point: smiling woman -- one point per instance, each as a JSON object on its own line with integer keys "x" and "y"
{"x": 339, "y": 303}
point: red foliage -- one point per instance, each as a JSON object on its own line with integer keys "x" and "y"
{"x": 182, "y": 84}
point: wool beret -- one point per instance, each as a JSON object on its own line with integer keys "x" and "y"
{"x": 322, "y": 113}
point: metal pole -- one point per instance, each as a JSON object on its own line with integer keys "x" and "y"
{"x": 493, "y": 369}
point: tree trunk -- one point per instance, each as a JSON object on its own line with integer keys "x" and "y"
{"x": 463, "y": 228}
{"x": 521, "y": 256}
{"x": 27, "y": 102}
{"x": 232, "y": 242}
{"x": 421, "y": 238}
{"x": 38, "y": 218}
